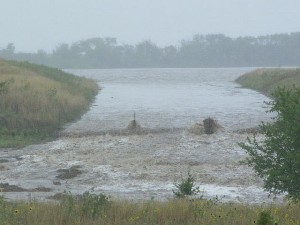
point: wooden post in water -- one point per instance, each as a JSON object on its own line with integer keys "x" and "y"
{"x": 134, "y": 122}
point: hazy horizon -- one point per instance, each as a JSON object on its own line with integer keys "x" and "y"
{"x": 33, "y": 25}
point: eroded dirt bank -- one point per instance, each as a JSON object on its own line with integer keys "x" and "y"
{"x": 133, "y": 166}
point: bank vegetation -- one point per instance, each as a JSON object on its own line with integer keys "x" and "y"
{"x": 36, "y": 101}
{"x": 91, "y": 209}
{"x": 268, "y": 80}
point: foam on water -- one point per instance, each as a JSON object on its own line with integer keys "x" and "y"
{"x": 131, "y": 166}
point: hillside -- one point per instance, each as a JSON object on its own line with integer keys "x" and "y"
{"x": 36, "y": 101}
{"x": 267, "y": 80}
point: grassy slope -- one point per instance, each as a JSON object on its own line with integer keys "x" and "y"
{"x": 35, "y": 101}
{"x": 267, "y": 80}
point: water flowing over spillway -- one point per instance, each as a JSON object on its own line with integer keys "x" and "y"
{"x": 90, "y": 157}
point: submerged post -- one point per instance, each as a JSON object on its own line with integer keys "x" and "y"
{"x": 134, "y": 122}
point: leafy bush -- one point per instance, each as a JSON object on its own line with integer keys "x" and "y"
{"x": 89, "y": 205}
{"x": 265, "y": 218}
{"x": 277, "y": 158}
{"x": 93, "y": 204}
{"x": 186, "y": 187}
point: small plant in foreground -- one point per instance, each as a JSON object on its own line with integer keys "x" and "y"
{"x": 93, "y": 205}
{"x": 186, "y": 187}
{"x": 265, "y": 218}
{"x": 90, "y": 205}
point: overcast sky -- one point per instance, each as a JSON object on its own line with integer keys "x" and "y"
{"x": 43, "y": 24}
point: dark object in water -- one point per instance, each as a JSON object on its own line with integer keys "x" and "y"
{"x": 209, "y": 126}
{"x": 69, "y": 173}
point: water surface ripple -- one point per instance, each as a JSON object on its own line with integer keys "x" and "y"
{"x": 170, "y": 98}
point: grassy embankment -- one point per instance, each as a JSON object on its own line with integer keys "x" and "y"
{"x": 267, "y": 80}
{"x": 100, "y": 210}
{"x": 35, "y": 101}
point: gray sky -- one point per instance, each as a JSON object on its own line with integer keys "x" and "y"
{"x": 43, "y": 24}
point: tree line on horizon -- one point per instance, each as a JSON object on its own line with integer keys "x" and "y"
{"x": 214, "y": 50}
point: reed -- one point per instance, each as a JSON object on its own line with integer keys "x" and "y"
{"x": 36, "y": 101}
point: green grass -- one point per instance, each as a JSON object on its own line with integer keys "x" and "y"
{"x": 267, "y": 80}
{"x": 98, "y": 209}
{"x": 36, "y": 101}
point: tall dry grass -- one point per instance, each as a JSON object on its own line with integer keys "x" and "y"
{"x": 173, "y": 212}
{"x": 41, "y": 99}
{"x": 267, "y": 80}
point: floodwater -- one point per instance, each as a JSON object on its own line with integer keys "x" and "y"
{"x": 170, "y": 98}
{"x": 145, "y": 166}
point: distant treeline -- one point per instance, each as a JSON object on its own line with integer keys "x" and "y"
{"x": 214, "y": 50}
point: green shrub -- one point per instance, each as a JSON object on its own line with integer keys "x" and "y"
{"x": 93, "y": 204}
{"x": 277, "y": 158}
{"x": 186, "y": 187}
{"x": 265, "y": 218}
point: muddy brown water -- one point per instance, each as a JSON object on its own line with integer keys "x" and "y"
{"x": 98, "y": 154}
